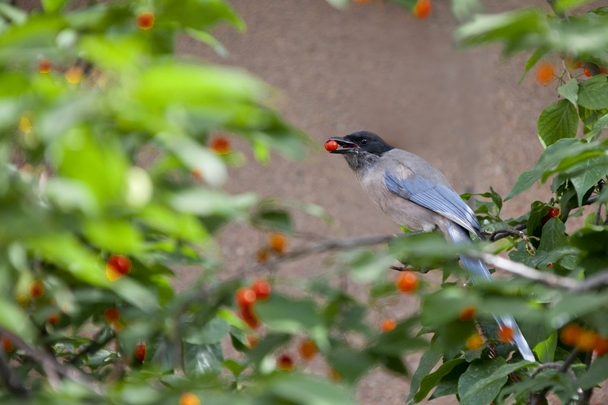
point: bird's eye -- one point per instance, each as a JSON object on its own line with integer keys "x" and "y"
{"x": 363, "y": 141}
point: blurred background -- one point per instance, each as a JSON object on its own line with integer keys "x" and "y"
{"x": 373, "y": 66}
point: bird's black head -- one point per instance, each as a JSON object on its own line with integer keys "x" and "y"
{"x": 358, "y": 142}
{"x": 361, "y": 149}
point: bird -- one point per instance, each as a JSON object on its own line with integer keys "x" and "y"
{"x": 417, "y": 196}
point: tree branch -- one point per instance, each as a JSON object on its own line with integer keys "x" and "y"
{"x": 51, "y": 367}
{"x": 9, "y": 378}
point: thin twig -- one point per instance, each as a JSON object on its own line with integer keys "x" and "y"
{"x": 95, "y": 345}
{"x": 503, "y": 233}
{"x": 524, "y": 271}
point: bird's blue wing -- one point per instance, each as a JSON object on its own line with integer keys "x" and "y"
{"x": 435, "y": 197}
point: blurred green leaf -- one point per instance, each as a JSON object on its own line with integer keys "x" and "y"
{"x": 117, "y": 236}
{"x": 213, "y": 332}
{"x": 534, "y": 58}
{"x": 563, "y": 5}
{"x": 569, "y": 91}
{"x": 350, "y": 364}
{"x": 304, "y": 390}
{"x": 277, "y": 220}
{"x": 597, "y": 373}
{"x": 431, "y": 380}
{"x": 488, "y": 384}
{"x": 283, "y": 314}
{"x": 427, "y": 362}
{"x": 202, "y": 360}
{"x": 477, "y": 371}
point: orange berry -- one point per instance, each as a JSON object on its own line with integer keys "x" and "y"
{"x": 145, "y": 20}
{"x": 36, "y": 289}
{"x": 545, "y": 73}
{"x": 505, "y": 334}
{"x": 7, "y": 344}
{"x": 111, "y": 315}
{"x": 189, "y": 399}
{"x": 422, "y": 9}
{"x": 586, "y": 341}
{"x": 248, "y": 316}
{"x": 263, "y": 255}
{"x": 252, "y": 341}
{"x": 601, "y": 345}
{"x": 277, "y": 242}
{"x": 74, "y": 75}
{"x": 245, "y": 297}
{"x": 570, "y": 334}
{"x": 467, "y": 313}
{"x": 474, "y": 342}
{"x": 388, "y": 325}
{"x": 197, "y": 174}
{"x": 285, "y": 362}
{"x": 53, "y": 318}
{"x": 407, "y": 282}
{"x": 140, "y": 352}
{"x": 586, "y": 71}
{"x": 44, "y": 66}
{"x": 262, "y": 289}
{"x": 308, "y": 349}
{"x": 220, "y": 145}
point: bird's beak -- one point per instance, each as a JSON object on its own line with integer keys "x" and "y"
{"x": 343, "y": 146}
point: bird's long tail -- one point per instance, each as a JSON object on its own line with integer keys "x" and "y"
{"x": 479, "y": 271}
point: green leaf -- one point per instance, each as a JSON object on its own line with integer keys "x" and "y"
{"x": 427, "y": 363}
{"x": 366, "y": 265}
{"x": 338, "y": 3}
{"x": 552, "y": 156}
{"x": 207, "y": 202}
{"x": 564, "y": 5}
{"x": 463, "y": 9}
{"x": 483, "y": 384}
{"x": 557, "y": 121}
{"x": 590, "y": 172}
{"x": 430, "y": 381}
{"x": 350, "y": 364}
{"x": 553, "y": 236}
{"x": 50, "y": 6}
{"x": 288, "y": 315}
{"x": 597, "y": 373}
{"x": 599, "y": 126}
{"x": 277, "y": 220}
{"x": 113, "y": 235}
{"x": 518, "y": 30}
{"x": 202, "y": 360}
{"x": 545, "y": 350}
{"x": 476, "y": 371}
{"x": 302, "y": 390}
{"x": 208, "y": 39}
{"x": 569, "y": 91}
{"x": 213, "y": 332}
{"x": 593, "y": 93}
{"x": 15, "y": 320}
{"x": 14, "y": 14}
{"x": 197, "y": 14}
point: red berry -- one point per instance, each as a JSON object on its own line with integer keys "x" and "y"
{"x": 505, "y": 334}
{"x": 467, "y": 313}
{"x": 111, "y": 315}
{"x": 245, "y": 297}
{"x": 587, "y": 72}
{"x": 36, "y": 289}
{"x": 422, "y": 9}
{"x": 262, "y": 289}
{"x": 331, "y": 145}
{"x": 145, "y": 20}
{"x": 53, "y": 318}
{"x": 248, "y": 316}
{"x": 7, "y": 344}
{"x": 285, "y": 362}
{"x": 552, "y": 213}
{"x": 388, "y": 325}
{"x": 140, "y": 352}
{"x": 307, "y": 349}
{"x": 44, "y": 66}
{"x": 120, "y": 264}
{"x": 601, "y": 346}
{"x": 407, "y": 282}
{"x": 220, "y": 145}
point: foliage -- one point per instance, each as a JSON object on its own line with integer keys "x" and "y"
{"x": 115, "y": 152}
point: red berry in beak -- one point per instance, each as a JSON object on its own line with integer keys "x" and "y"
{"x": 331, "y": 145}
